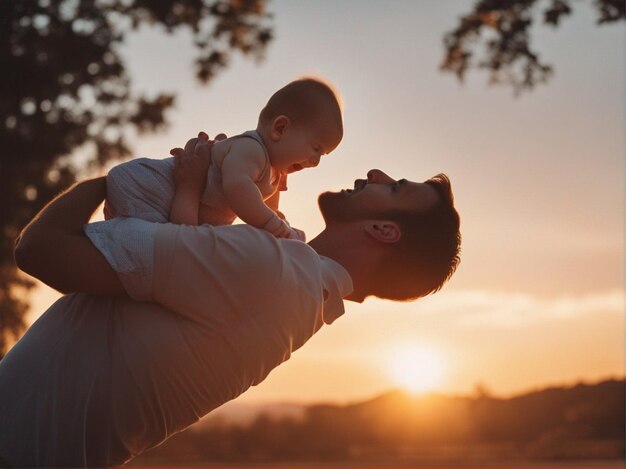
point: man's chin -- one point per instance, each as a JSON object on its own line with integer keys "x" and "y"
{"x": 330, "y": 205}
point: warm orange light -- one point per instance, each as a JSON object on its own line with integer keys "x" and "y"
{"x": 416, "y": 368}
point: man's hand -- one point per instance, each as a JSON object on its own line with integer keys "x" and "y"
{"x": 194, "y": 145}
{"x": 192, "y": 163}
{"x": 190, "y": 174}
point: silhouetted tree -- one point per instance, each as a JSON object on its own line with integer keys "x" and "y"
{"x": 509, "y": 57}
{"x": 64, "y": 86}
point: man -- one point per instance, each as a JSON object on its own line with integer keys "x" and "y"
{"x": 100, "y": 377}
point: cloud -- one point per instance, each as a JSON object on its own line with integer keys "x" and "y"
{"x": 476, "y": 308}
{"x": 473, "y": 308}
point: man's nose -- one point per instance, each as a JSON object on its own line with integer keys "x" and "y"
{"x": 376, "y": 176}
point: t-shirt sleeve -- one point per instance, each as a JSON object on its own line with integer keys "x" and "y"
{"x": 128, "y": 246}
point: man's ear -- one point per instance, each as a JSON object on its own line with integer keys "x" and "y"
{"x": 384, "y": 231}
{"x": 279, "y": 127}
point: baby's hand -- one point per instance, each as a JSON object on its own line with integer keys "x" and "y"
{"x": 281, "y": 229}
{"x": 297, "y": 234}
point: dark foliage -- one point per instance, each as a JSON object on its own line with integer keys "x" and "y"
{"x": 503, "y": 28}
{"x": 64, "y": 86}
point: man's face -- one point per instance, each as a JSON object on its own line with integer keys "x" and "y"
{"x": 375, "y": 197}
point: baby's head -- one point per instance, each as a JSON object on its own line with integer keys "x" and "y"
{"x": 301, "y": 122}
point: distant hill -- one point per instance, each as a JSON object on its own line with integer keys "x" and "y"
{"x": 243, "y": 414}
{"x": 585, "y": 421}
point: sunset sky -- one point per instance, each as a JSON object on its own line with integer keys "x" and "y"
{"x": 539, "y": 182}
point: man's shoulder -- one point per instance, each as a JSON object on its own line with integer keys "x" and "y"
{"x": 243, "y": 263}
{"x": 242, "y": 245}
{"x": 260, "y": 244}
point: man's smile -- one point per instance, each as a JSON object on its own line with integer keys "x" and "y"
{"x": 358, "y": 185}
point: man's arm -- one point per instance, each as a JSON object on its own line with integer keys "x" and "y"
{"x": 54, "y": 248}
{"x": 190, "y": 174}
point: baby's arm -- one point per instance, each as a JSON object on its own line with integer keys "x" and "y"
{"x": 240, "y": 169}
{"x": 272, "y": 203}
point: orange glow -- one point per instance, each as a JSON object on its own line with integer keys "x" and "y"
{"x": 539, "y": 296}
{"x": 416, "y": 368}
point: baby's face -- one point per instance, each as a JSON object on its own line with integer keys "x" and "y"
{"x": 302, "y": 146}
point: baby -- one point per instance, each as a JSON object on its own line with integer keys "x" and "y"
{"x": 301, "y": 122}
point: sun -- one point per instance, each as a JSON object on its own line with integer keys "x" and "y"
{"x": 416, "y": 368}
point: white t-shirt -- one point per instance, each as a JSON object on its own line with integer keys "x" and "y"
{"x": 97, "y": 380}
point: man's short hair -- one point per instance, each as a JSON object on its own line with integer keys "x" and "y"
{"x": 302, "y": 101}
{"x": 428, "y": 251}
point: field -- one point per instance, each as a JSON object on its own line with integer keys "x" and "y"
{"x": 619, "y": 464}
